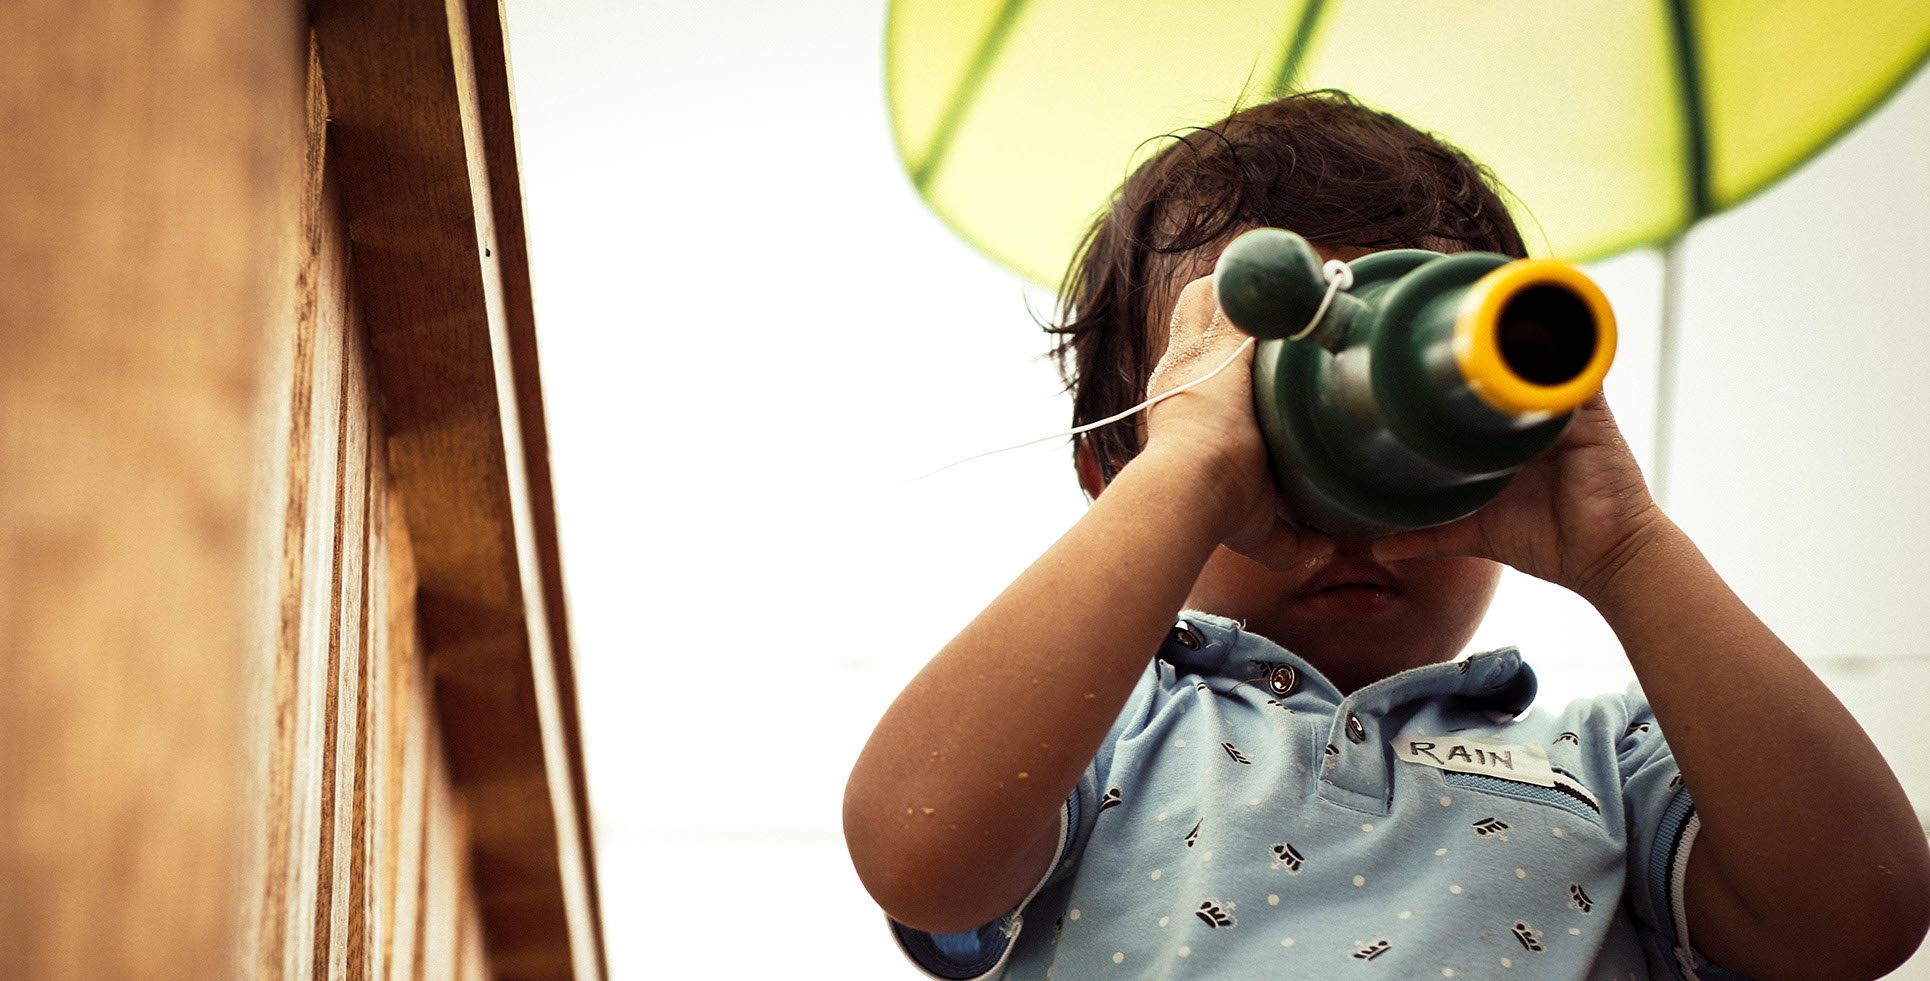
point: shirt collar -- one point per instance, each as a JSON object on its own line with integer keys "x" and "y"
{"x": 1498, "y": 679}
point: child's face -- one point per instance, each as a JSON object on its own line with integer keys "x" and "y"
{"x": 1437, "y": 605}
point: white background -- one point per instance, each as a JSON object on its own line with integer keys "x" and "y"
{"x": 755, "y": 339}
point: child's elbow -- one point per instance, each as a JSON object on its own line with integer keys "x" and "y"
{"x": 902, "y": 879}
{"x": 1876, "y": 958}
{"x": 1907, "y": 916}
{"x": 890, "y": 865}
{"x": 933, "y": 880}
{"x": 1896, "y": 920}
{"x": 907, "y": 895}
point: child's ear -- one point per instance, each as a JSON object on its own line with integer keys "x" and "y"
{"x": 1086, "y": 462}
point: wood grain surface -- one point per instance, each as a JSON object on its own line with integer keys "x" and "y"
{"x": 360, "y": 818}
{"x": 280, "y": 606}
{"x": 495, "y": 111}
{"x": 149, "y": 155}
{"x": 418, "y": 126}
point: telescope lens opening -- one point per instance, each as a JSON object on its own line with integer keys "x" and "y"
{"x": 1546, "y": 334}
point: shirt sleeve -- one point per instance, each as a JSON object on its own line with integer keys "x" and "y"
{"x": 1662, "y": 827}
{"x": 982, "y": 952}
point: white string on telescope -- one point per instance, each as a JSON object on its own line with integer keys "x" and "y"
{"x": 1339, "y": 276}
{"x": 1109, "y": 420}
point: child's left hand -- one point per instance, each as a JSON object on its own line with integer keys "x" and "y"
{"x": 1570, "y": 516}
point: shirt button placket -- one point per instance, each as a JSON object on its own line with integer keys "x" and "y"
{"x": 1185, "y": 636}
{"x": 1354, "y": 771}
{"x": 1282, "y": 679}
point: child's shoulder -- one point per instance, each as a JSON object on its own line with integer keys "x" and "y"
{"x": 1616, "y": 720}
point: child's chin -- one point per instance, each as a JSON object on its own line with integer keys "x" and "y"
{"x": 1350, "y": 602}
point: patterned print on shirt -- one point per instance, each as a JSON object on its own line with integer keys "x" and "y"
{"x": 1577, "y": 899}
{"x": 1216, "y": 915}
{"x": 1529, "y": 936}
{"x": 1491, "y": 828}
{"x": 1194, "y": 835}
{"x": 1285, "y": 856}
{"x": 1636, "y": 727}
{"x": 1111, "y": 799}
{"x": 1569, "y": 737}
{"x": 1234, "y": 752}
{"x": 1371, "y": 951}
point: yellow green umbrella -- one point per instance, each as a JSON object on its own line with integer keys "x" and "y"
{"x": 1613, "y": 123}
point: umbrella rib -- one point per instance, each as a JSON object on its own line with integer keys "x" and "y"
{"x": 1688, "y": 78}
{"x": 1695, "y": 124}
{"x": 1297, "y": 46}
{"x": 988, "y": 50}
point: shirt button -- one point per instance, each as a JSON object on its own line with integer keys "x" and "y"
{"x": 1185, "y": 636}
{"x": 1355, "y": 731}
{"x": 1282, "y": 679}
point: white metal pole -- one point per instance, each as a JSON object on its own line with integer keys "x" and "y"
{"x": 1667, "y": 354}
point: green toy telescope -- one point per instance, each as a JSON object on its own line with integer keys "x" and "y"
{"x": 1423, "y": 388}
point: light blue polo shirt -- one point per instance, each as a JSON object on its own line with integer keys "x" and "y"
{"x": 1245, "y": 819}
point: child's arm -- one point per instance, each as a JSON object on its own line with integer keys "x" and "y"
{"x": 1810, "y": 861}
{"x": 952, "y": 812}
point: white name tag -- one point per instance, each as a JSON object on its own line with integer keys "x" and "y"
{"x": 1509, "y": 761}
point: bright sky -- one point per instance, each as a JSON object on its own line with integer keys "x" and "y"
{"x": 756, "y": 339}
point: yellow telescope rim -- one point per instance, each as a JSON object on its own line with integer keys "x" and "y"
{"x": 1477, "y": 346}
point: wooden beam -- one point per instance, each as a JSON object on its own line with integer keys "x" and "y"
{"x": 417, "y": 141}
{"x": 495, "y": 98}
{"x": 147, "y": 169}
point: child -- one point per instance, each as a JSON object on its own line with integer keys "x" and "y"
{"x": 1196, "y": 739}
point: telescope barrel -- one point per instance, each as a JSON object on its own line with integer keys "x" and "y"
{"x": 1424, "y": 388}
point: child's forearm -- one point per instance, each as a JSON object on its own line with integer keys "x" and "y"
{"x": 952, "y": 811}
{"x": 1810, "y": 861}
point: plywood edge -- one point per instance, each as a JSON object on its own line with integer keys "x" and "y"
{"x": 423, "y": 143}
{"x": 496, "y": 104}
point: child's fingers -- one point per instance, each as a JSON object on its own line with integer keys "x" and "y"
{"x": 1287, "y": 546}
{"x": 1464, "y": 536}
{"x": 1197, "y": 338}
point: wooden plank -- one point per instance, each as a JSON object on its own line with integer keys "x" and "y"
{"x": 443, "y": 881}
{"x": 356, "y": 748}
{"x": 413, "y": 735}
{"x": 418, "y": 189}
{"x": 294, "y": 379}
{"x": 495, "y": 109}
{"x": 381, "y": 771}
{"x": 149, "y": 181}
{"x": 344, "y": 714}
{"x": 472, "y": 960}
{"x": 496, "y": 199}
{"x": 310, "y": 859}
{"x": 203, "y": 556}
{"x": 406, "y": 931}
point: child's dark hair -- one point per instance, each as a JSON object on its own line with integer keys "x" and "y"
{"x": 1317, "y": 163}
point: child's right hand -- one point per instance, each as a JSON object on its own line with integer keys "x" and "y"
{"x": 940, "y": 830}
{"x": 1213, "y": 425}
